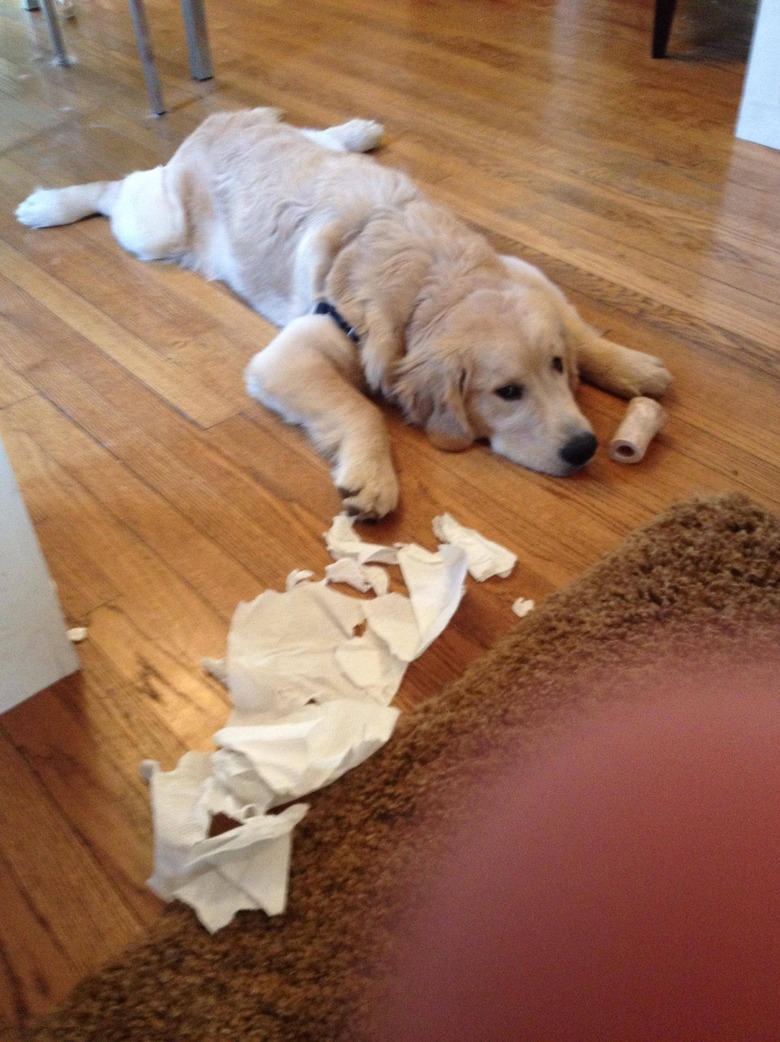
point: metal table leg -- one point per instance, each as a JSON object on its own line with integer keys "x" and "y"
{"x": 55, "y": 32}
{"x": 144, "y": 41}
{"x": 197, "y": 39}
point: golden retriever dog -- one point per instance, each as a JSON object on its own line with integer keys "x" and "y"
{"x": 375, "y": 288}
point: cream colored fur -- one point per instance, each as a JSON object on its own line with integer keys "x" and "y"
{"x": 468, "y": 343}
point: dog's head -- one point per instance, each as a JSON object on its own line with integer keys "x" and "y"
{"x": 499, "y": 363}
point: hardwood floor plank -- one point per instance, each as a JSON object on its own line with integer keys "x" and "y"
{"x": 167, "y": 314}
{"x": 53, "y": 873}
{"x": 13, "y": 387}
{"x": 654, "y": 278}
{"x": 217, "y": 498}
{"x": 185, "y": 392}
{"x": 92, "y": 778}
{"x": 164, "y": 609}
{"x": 38, "y": 428}
{"x": 35, "y": 970}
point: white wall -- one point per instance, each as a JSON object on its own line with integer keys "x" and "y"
{"x": 34, "y": 648}
{"x": 759, "y": 112}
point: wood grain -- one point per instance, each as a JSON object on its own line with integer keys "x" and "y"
{"x": 162, "y": 496}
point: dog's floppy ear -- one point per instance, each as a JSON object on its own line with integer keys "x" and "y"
{"x": 575, "y": 329}
{"x": 430, "y": 391}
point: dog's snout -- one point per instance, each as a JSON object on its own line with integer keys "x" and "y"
{"x": 579, "y": 449}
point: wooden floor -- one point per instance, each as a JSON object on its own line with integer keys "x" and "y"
{"x": 162, "y": 496}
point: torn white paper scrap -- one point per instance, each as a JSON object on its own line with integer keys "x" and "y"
{"x": 311, "y": 673}
{"x": 522, "y": 607}
{"x": 298, "y": 576}
{"x": 362, "y": 577}
{"x": 347, "y": 570}
{"x": 243, "y": 868}
{"x": 435, "y": 583}
{"x": 179, "y": 819}
{"x": 255, "y": 768}
{"x": 303, "y": 752}
{"x": 370, "y": 664}
{"x": 486, "y": 558}
{"x": 249, "y": 879}
{"x": 288, "y": 649}
{"x": 342, "y": 541}
{"x": 280, "y": 648}
{"x": 378, "y": 577}
{"x": 391, "y": 618}
{"x": 217, "y": 668}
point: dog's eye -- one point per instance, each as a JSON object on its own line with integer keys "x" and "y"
{"x": 557, "y": 364}
{"x": 510, "y": 392}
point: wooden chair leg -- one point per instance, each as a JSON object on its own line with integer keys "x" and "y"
{"x": 662, "y": 25}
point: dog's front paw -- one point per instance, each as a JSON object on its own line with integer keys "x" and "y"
{"x": 368, "y": 492}
{"x": 637, "y": 373}
{"x": 652, "y": 378}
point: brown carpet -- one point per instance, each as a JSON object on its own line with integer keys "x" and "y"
{"x": 698, "y": 589}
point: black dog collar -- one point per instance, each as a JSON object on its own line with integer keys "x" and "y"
{"x": 324, "y": 308}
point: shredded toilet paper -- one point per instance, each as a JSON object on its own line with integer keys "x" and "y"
{"x": 311, "y": 673}
{"x": 523, "y": 607}
{"x": 485, "y": 558}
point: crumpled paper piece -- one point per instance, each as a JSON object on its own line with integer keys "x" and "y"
{"x": 281, "y": 647}
{"x": 523, "y": 607}
{"x": 409, "y": 626}
{"x": 311, "y": 673}
{"x": 485, "y": 558}
{"x": 342, "y": 541}
{"x": 363, "y": 577}
{"x": 265, "y": 765}
{"x": 243, "y": 868}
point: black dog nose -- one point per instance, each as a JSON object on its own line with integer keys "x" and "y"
{"x": 579, "y": 449}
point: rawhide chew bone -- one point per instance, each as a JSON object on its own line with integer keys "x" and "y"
{"x": 643, "y": 420}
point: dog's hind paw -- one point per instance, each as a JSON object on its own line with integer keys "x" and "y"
{"x": 40, "y": 209}
{"x": 361, "y": 135}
